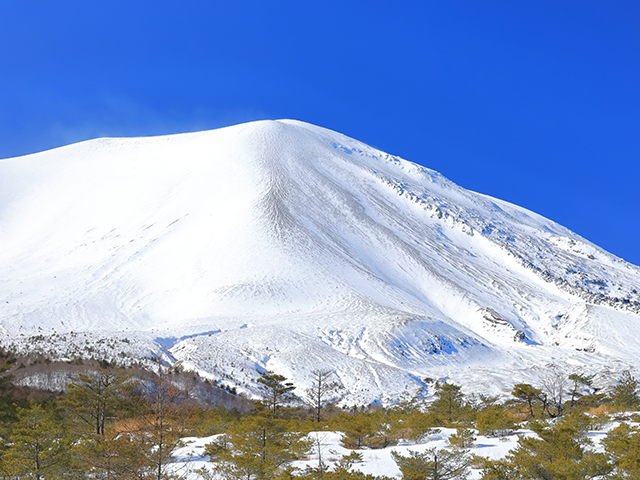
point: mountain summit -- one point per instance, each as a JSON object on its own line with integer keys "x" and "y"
{"x": 286, "y": 246}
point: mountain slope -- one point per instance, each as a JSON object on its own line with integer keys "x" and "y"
{"x": 282, "y": 245}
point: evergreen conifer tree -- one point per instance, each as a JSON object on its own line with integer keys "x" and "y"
{"x": 258, "y": 447}
{"x": 434, "y": 464}
{"x": 449, "y": 403}
{"x": 95, "y": 398}
{"x": 39, "y": 445}
{"x": 623, "y": 445}
{"x": 528, "y": 395}
{"x": 277, "y": 390}
{"x": 559, "y": 451}
{"x": 625, "y": 392}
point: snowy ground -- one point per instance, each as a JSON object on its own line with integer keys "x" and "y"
{"x": 375, "y": 462}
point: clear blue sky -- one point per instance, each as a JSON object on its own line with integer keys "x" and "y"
{"x": 535, "y": 102}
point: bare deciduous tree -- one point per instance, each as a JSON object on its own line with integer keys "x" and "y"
{"x": 555, "y": 386}
{"x": 323, "y": 390}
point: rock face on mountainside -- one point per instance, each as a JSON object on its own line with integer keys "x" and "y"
{"x": 286, "y": 246}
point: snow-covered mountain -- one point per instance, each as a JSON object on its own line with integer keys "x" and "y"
{"x": 282, "y": 245}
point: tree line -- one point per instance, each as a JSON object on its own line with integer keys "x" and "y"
{"x": 109, "y": 425}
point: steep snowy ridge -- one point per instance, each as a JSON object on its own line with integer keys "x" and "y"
{"x": 286, "y": 246}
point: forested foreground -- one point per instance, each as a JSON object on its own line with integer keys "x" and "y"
{"x": 108, "y": 425}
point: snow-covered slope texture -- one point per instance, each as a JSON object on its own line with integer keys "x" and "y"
{"x": 286, "y": 246}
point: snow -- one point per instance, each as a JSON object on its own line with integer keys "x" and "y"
{"x": 375, "y": 462}
{"x": 379, "y": 461}
{"x": 282, "y": 245}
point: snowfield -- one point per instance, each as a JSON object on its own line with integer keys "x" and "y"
{"x": 284, "y": 246}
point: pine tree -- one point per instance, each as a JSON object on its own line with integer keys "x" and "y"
{"x": 449, "y": 404}
{"x": 39, "y": 445}
{"x": 8, "y": 410}
{"x": 258, "y": 447}
{"x": 528, "y": 395}
{"x": 358, "y": 429}
{"x": 411, "y": 422}
{"x": 623, "y": 445}
{"x": 113, "y": 456}
{"x": 434, "y": 464}
{"x": 463, "y": 439}
{"x": 95, "y": 398}
{"x": 625, "y": 392}
{"x": 578, "y": 384}
{"x": 277, "y": 390}
{"x": 493, "y": 421}
{"x": 560, "y": 451}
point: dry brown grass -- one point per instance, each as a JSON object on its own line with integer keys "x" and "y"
{"x": 518, "y": 414}
{"x": 599, "y": 410}
{"x": 130, "y": 425}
